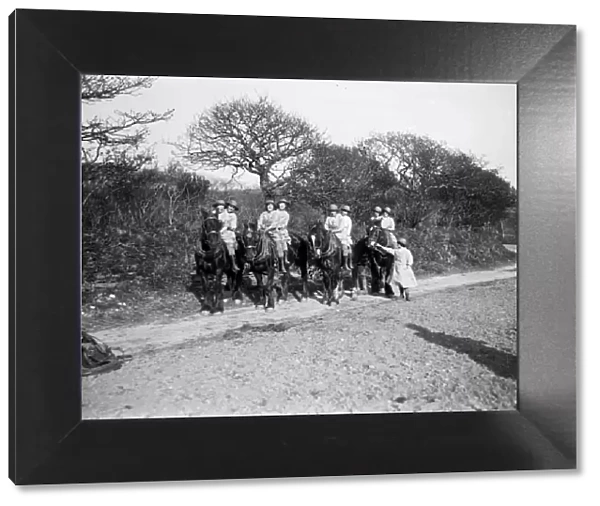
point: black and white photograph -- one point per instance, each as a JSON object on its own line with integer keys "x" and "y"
{"x": 294, "y": 247}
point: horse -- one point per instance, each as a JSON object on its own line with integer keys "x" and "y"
{"x": 298, "y": 252}
{"x": 326, "y": 255}
{"x": 262, "y": 260}
{"x": 381, "y": 264}
{"x": 212, "y": 261}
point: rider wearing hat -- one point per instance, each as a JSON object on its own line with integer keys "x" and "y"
{"x": 266, "y": 219}
{"x": 387, "y": 224}
{"x": 341, "y": 226}
{"x": 282, "y": 236}
{"x": 332, "y": 222}
{"x": 376, "y": 218}
{"x": 345, "y": 236}
{"x": 229, "y": 228}
{"x": 219, "y": 210}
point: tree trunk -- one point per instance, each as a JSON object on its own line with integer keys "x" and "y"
{"x": 265, "y": 184}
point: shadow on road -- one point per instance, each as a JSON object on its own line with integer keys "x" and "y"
{"x": 499, "y": 362}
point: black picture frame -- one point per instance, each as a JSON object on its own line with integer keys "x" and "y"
{"x": 49, "y": 443}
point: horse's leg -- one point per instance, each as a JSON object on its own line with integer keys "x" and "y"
{"x": 363, "y": 279}
{"x": 229, "y": 278}
{"x": 355, "y": 267}
{"x": 235, "y": 283}
{"x": 240, "y": 285}
{"x": 388, "y": 275}
{"x": 327, "y": 295}
{"x": 271, "y": 287}
{"x": 332, "y": 287}
{"x": 304, "y": 277}
{"x": 206, "y": 304}
{"x": 260, "y": 287}
{"x": 285, "y": 279}
{"x": 220, "y": 308}
{"x": 374, "y": 276}
{"x": 304, "y": 271}
{"x": 354, "y": 282}
{"x": 207, "y": 300}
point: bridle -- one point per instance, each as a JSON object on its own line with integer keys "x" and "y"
{"x": 319, "y": 252}
{"x": 211, "y": 237}
{"x": 374, "y": 233}
{"x": 259, "y": 250}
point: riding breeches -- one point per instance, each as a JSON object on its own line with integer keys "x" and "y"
{"x": 229, "y": 239}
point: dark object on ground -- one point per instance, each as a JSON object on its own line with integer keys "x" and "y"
{"x": 97, "y": 357}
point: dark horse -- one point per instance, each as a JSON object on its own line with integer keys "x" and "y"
{"x": 298, "y": 252}
{"x": 261, "y": 259}
{"x": 326, "y": 256}
{"x": 380, "y": 263}
{"x": 212, "y": 262}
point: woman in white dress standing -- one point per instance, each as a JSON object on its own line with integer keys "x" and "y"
{"x": 402, "y": 277}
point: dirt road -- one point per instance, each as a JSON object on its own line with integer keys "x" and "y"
{"x": 453, "y": 347}
{"x": 153, "y": 337}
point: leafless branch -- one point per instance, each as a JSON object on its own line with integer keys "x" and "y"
{"x": 242, "y": 135}
{"x": 95, "y": 88}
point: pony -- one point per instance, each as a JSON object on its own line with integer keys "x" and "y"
{"x": 262, "y": 260}
{"x": 364, "y": 255}
{"x": 298, "y": 253}
{"x": 326, "y": 256}
{"x": 212, "y": 262}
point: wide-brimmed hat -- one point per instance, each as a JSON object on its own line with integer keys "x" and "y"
{"x": 219, "y": 203}
{"x": 269, "y": 201}
{"x": 333, "y": 207}
{"x": 233, "y": 204}
{"x": 377, "y": 209}
{"x": 387, "y": 210}
{"x": 284, "y": 200}
{"x": 345, "y": 208}
{"x": 402, "y": 241}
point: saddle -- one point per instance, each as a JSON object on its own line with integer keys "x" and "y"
{"x": 265, "y": 245}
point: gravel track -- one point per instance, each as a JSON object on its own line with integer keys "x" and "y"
{"x": 452, "y": 348}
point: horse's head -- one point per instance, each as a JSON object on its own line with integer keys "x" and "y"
{"x": 374, "y": 234}
{"x": 317, "y": 239}
{"x": 250, "y": 240}
{"x": 211, "y": 231}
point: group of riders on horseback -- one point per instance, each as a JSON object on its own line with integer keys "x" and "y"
{"x": 267, "y": 247}
{"x": 274, "y": 221}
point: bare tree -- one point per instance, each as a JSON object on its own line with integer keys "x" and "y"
{"x": 102, "y": 137}
{"x": 243, "y": 135}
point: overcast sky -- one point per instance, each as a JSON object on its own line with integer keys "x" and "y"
{"x": 476, "y": 118}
